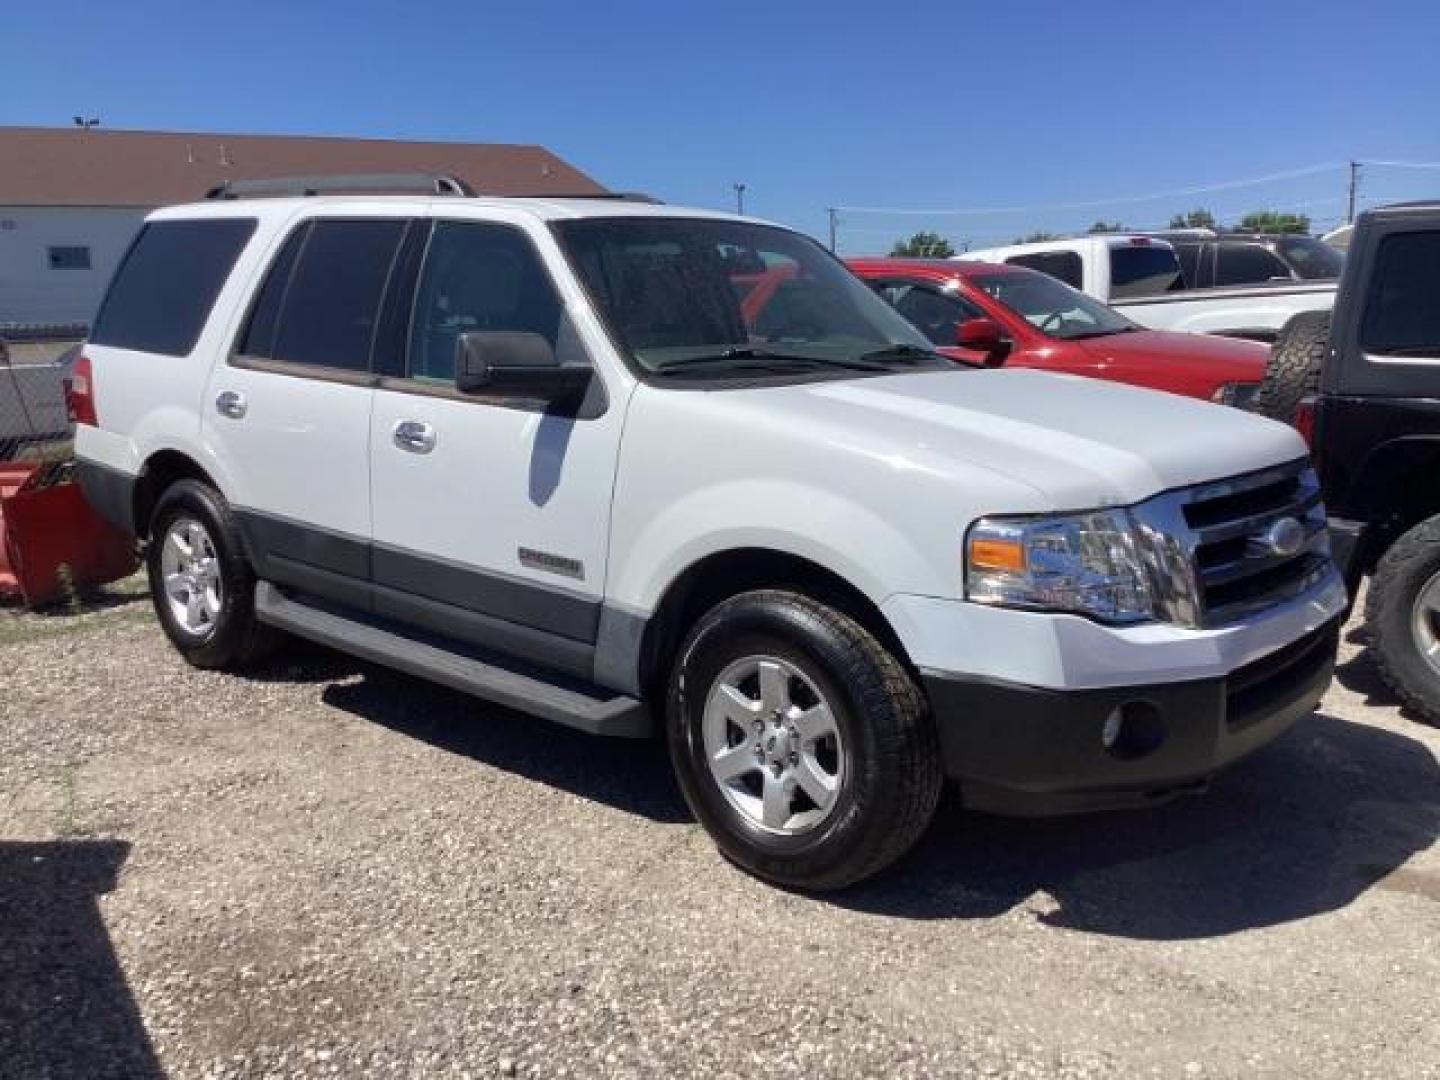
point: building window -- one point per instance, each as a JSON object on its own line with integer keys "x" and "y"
{"x": 69, "y": 258}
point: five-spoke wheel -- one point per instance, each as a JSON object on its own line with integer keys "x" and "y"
{"x": 202, "y": 586}
{"x": 190, "y": 569}
{"x": 800, "y": 741}
{"x": 773, "y": 745}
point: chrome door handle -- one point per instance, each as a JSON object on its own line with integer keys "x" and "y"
{"x": 230, "y": 403}
{"x": 414, "y": 436}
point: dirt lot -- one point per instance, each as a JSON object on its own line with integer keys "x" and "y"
{"x": 330, "y": 869}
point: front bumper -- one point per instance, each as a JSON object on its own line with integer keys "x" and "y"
{"x": 1031, "y": 750}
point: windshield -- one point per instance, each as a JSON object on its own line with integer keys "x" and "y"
{"x": 1143, "y": 270}
{"x": 1311, "y": 258}
{"x": 701, "y": 299}
{"x": 1051, "y": 306}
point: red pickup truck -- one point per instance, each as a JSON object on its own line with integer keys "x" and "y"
{"x": 991, "y": 314}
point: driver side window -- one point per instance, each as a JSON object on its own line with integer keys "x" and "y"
{"x": 933, "y": 313}
{"x": 477, "y": 276}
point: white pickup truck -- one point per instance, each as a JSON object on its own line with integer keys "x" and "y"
{"x": 1140, "y": 276}
{"x": 575, "y": 456}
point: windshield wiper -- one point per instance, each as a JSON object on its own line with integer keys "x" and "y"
{"x": 912, "y": 353}
{"x": 745, "y": 358}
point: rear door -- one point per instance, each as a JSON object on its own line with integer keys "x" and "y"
{"x": 288, "y": 415}
{"x": 491, "y": 513}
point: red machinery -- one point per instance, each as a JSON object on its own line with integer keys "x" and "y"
{"x": 52, "y": 544}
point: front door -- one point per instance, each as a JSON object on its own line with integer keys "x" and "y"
{"x": 491, "y": 516}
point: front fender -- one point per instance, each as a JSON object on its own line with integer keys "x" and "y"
{"x": 843, "y": 536}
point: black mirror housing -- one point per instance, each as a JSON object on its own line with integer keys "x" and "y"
{"x": 513, "y": 361}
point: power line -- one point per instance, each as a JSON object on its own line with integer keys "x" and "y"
{"x": 1199, "y": 189}
{"x": 1402, "y": 164}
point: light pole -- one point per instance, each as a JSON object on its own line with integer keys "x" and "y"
{"x": 739, "y": 198}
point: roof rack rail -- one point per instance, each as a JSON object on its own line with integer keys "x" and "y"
{"x": 357, "y": 184}
{"x": 613, "y": 196}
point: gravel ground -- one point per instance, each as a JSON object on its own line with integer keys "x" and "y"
{"x": 332, "y": 870}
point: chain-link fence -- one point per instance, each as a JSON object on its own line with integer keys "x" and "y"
{"x": 35, "y": 428}
{"x": 54, "y": 547}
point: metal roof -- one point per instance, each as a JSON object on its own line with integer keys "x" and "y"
{"x": 100, "y": 167}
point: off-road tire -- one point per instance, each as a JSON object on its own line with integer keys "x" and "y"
{"x": 1293, "y": 370}
{"x": 238, "y": 638}
{"x": 1403, "y": 571}
{"x": 893, "y": 778}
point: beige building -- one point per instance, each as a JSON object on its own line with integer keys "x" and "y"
{"x": 72, "y": 198}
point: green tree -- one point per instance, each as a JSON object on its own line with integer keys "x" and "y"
{"x": 1037, "y": 238}
{"x": 1275, "y": 221}
{"x": 1103, "y": 226}
{"x": 1199, "y": 218}
{"x": 923, "y": 245}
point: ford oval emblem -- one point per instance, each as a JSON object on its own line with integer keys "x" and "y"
{"x": 1283, "y": 538}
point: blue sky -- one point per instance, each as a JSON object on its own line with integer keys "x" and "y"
{"x": 918, "y": 105}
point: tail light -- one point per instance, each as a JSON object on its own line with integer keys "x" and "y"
{"x": 1305, "y": 419}
{"x": 80, "y": 393}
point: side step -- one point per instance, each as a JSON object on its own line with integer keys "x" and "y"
{"x": 617, "y": 716}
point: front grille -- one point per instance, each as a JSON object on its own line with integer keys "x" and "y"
{"x": 1217, "y": 554}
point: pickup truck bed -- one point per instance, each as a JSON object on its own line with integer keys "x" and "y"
{"x": 1256, "y": 311}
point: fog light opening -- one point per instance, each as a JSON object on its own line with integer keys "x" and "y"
{"x": 1133, "y": 730}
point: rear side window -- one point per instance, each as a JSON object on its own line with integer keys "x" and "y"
{"x": 321, "y": 299}
{"x": 1402, "y": 308}
{"x": 1062, "y": 265}
{"x": 1143, "y": 270}
{"x": 1189, "y": 256}
{"x": 164, "y": 290}
{"x": 1247, "y": 264}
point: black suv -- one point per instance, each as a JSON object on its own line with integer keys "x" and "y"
{"x": 1368, "y": 378}
{"x": 1220, "y": 260}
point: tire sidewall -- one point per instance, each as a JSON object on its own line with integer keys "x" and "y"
{"x": 191, "y": 499}
{"x": 752, "y": 626}
{"x": 1390, "y": 610}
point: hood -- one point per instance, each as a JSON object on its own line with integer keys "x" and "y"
{"x": 1079, "y": 442}
{"x": 1204, "y": 358}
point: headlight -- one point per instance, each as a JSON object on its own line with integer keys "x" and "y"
{"x": 1082, "y": 563}
{"x": 1238, "y": 395}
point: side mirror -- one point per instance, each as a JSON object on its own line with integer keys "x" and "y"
{"x": 982, "y": 335}
{"x": 512, "y": 361}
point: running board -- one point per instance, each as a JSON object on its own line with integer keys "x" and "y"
{"x": 618, "y": 716}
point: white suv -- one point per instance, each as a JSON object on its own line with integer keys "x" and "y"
{"x": 633, "y": 468}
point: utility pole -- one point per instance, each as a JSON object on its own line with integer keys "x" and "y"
{"x": 832, "y": 214}
{"x": 739, "y": 198}
{"x": 1354, "y": 183}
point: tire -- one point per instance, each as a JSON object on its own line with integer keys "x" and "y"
{"x": 1403, "y": 613}
{"x": 1293, "y": 370}
{"x": 224, "y": 633}
{"x": 882, "y": 764}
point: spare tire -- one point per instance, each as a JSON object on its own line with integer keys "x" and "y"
{"x": 1293, "y": 371}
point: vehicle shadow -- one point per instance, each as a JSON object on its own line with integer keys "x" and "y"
{"x": 629, "y": 774}
{"x": 1302, "y": 828}
{"x": 1360, "y": 674}
{"x": 65, "y": 1007}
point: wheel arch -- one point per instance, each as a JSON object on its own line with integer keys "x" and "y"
{"x": 161, "y": 469}
{"x": 723, "y": 574}
{"x": 1396, "y": 481}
